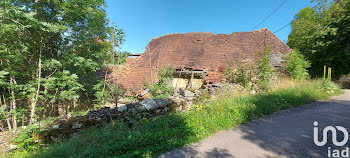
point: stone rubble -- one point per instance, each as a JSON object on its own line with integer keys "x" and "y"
{"x": 6, "y": 144}
{"x": 182, "y": 100}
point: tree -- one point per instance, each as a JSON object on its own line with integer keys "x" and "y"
{"x": 24, "y": 50}
{"x": 322, "y": 35}
{"x": 50, "y": 52}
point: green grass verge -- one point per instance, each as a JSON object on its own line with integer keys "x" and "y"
{"x": 153, "y": 137}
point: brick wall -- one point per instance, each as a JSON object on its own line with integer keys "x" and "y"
{"x": 199, "y": 51}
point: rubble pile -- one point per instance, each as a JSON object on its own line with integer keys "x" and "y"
{"x": 182, "y": 100}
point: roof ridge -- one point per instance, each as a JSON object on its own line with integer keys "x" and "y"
{"x": 191, "y": 33}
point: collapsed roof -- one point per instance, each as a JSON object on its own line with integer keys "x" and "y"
{"x": 198, "y": 51}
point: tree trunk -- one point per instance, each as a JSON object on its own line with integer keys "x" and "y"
{"x": 32, "y": 110}
{"x": 68, "y": 109}
{"x": 189, "y": 86}
{"x": 60, "y": 110}
{"x": 8, "y": 121}
{"x": 1, "y": 126}
{"x": 104, "y": 87}
{"x": 13, "y": 103}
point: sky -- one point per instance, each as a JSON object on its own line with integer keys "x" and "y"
{"x": 143, "y": 20}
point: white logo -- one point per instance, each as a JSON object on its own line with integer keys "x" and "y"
{"x": 334, "y": 135}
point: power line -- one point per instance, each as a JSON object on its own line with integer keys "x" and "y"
{"x": 284, "y": 26}
{"x": 270, "y": 14}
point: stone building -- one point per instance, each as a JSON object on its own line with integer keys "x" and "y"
{"x": 198, "y": 52}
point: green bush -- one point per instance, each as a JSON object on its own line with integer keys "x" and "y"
{"x": 29, "y": 138}
{"x": 229, "y": 74}
{"x": 162, "y": 88}
{"x": 242, "y": 75}
{"x": 106, "y": 91}
{"x": 153, "y": 137}
{"x": 329, "y": 87}
{"x": 166, "y": 72}
{"x": 297, "y": 65}
{"x": 264, "y": 71}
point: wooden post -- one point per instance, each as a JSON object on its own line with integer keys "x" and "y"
{"x": 191, "y": 79}
{"x": 324, "y": 72}
{"x": 177, "y": 80}
{"x": 329, "y": 73}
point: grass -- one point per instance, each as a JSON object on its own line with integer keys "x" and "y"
{"x": 149, "y": 138}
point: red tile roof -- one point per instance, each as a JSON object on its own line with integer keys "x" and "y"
{"x": 198, "y": 51}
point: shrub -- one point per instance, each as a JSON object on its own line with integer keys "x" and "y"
{"x": 242, "y": 75}
{"x": 166, "y": 72}
{"x": 328, "y": 86}
{"x": 162, "y": 88}
{"x": 105, "y": 91}
{"x": 229, "y": 74}
{"x": 297, "y": 65}
{"x": 264, "y": 71}
{"x": 29, "y": 138}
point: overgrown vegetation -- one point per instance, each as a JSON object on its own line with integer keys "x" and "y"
{"x": 327, "y": 84}
{"x": 163, "y": 87}
{"x": 49, "y": 54}
{"x": 29, "y": 138}
{"x": 152, "y": 137}
{"x": 242, "y": 75}
{"x": 322, "y": 35}
{"x": 264, "y": 71}
{"x": 296, "y": 65}
{"x": 107, "y": 91}
{"x": 246, "y": 74}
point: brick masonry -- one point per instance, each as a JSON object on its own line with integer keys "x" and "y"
{"x": 201, "y": 50}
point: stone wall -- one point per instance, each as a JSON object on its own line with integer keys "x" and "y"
{"x": 345, "y": 81}
{"x": 182, "y": 100}
{"x": 208, "y": 51}
{"x": 65, "y": 128}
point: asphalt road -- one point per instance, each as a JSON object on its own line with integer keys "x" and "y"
{"x": 286, "y": 133}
